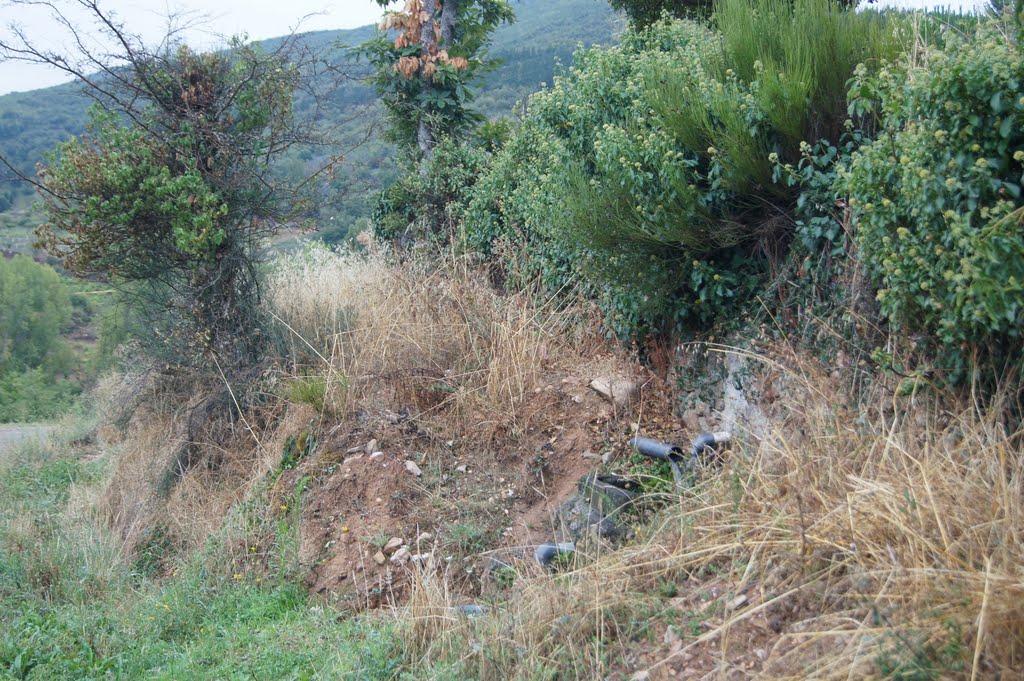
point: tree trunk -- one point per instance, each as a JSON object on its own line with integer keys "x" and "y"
{"x": 449, "y": 13}
{"x": 424, "y": 135}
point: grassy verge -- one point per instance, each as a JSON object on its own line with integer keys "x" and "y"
{"x": 72, "y": 606}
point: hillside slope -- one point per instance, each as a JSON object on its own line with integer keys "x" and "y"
{"x": 545, "y": 34}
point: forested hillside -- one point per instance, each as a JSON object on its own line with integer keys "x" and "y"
{"x": 545, "y": 34}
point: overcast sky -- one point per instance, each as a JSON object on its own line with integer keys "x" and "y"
{"x": 258, "y": 18}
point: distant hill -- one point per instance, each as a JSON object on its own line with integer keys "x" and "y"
{"x": 546, "y": 33}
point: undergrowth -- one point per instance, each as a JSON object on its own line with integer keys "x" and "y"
{"x": 73, "y": 605}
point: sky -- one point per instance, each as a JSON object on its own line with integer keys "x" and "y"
{"x": 148, "y": 18}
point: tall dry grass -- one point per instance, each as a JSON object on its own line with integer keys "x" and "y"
{"x": 880, "y": 541}
{"x": 439, "y": 338}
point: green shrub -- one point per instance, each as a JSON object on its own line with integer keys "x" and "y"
{"x": 937, "y": 197}
{"x": 34, "y": 395}
{"x": 35, "y": 309}
{"x": 647, "y": 174}
{"x": 417, "y": 204}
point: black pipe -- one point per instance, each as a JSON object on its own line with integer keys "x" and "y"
{"x": 673, "y": 454}
{"x": 655, "y": 449}
{"x": 546, "y": 553}
{"x": 709, "y": 442}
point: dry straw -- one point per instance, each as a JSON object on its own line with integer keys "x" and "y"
{"x": 879, "y": 541}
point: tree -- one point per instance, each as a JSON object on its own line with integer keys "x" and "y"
{"x": 35, "y": 310}
{"x": 643, "y": 13}
{"x": 425, "y": 58}
{"x": 170, "y": 193}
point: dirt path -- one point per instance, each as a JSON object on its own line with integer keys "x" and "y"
{"x": 11, "y": 436}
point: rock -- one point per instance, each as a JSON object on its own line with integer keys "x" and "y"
{"x": 421, "y": 558}
{"x": 605, "y": 493}
{"x": 460, "y": 469}
{"x": 590, "y": 455}
{"x": 413, "y": 468}
{"x": 607, "y": 457}
{"x": 617, "y": 391}
{"x": 353, "y": 450}
{"x": 376, "y": 455}
{"x": 641, "y": 676}
{"x": 671, "y": 635}
{"x": 401, "y": 556}
{"x": 691, "y": 419}
{"x": 350, "y": 459}
{"x": 380, "y": 558}
{"x": 371, "y": 446}
{"x": 738, "y": 602}
{"x": 393, "y": 545}
{"x": 424, "y": 538}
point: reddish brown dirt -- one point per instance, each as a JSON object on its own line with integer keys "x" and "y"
{"x": 474, "y": 497}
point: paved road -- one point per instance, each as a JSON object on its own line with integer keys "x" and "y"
{"x": 13, "y": 435}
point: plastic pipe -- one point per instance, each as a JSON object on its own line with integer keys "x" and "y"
{"x": 546, "y": 553}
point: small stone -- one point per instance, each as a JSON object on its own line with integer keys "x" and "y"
{"x": 761, "y": 654}
{"x": 641, "y": 676}
{"x": 350, "y": 459}
{"x": 460, "y": 469}
{"x": 617, "y": 391}
{"x": 738, "y": 602}
{"x": 380, "y": 558}
{"x": 424, "y": 538}
{"x": 607, "y": 457}
{"x": 421, "y": 558}
{"x": 691, "y": 419}
{"x": 401, "y": 556}
{"x": 671, "y": 635}
{"x": 353, "y": 450}
{"x": 376, "y": 455}
{"x": 590, "y": 455}
{"x": 393, "y": 545}
{"x": 371, "y": 446}
{"x": 413, "y": 468}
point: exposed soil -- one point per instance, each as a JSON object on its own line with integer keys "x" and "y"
{"x": 473, "y": 498}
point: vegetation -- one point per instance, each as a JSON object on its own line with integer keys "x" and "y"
{"x": 937, "y": 197}
{"x": 423, "y": 75}
{"x": 807, "y": 222}
{"x": 174, "y": 206}
{"x": 670, "y": 208}
{"x": 643, "y": 13}
{"x": 75, "y": 608}
{"x": 31, "y": 123}
{"x": 35, "y": 358}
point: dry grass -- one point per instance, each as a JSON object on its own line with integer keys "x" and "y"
{"x": 438, "y": 339}
{"x": 356, "y": 333}
{"x": 881, "y": 542}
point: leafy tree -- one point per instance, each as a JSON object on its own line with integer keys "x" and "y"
{"x": 35, "y": 309}
{"x": 643, "y": 13}
{"x": 425, "y": 58}
{"x": 170, "y": 192}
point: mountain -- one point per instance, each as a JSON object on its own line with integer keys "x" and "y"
{"x": 545, "y": 34}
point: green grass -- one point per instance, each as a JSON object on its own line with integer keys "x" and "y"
{"x": 73, "y": 607}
